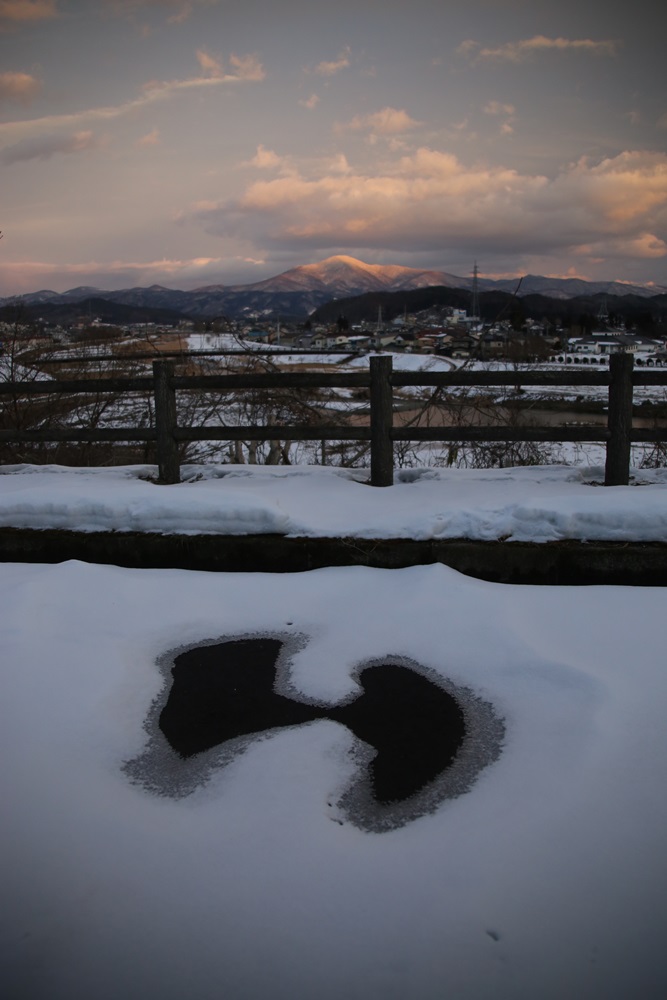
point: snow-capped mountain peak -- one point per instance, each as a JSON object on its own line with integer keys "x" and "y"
{"x": 343, "y": 275}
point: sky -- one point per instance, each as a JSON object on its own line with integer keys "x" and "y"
{"x": 197, "y": 142}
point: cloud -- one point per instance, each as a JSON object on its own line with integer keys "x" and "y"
{"x": 467, "y": 48}
{"x": 335, "y": 66}
{"x": 18, "y": 86}
{"x": 150, "y": 139}
{"x": 496, "y": 108}
{"x": 429, "y": 200}
{"x": 45, "y": 146}
{"x": 265, "y": 158}
{"x": 310, "y": 102}
{"x": 339, "y": 165}
{"x": 507, "y": 111}
{"x": 180, "y": 9}
{"x": 268, "y": 159}
{"x": 388, "y": 121}
{"x": 624, "y": 190}
{"x": 210, "y": 66}
{"x": 245, "y": 69}
{"x": 27, "y": 10}
{"x": 645, "y": 246}
{"x": 287, "y": 165}
{"x": 527, "y": 48}
{"x": 23, "y": 276}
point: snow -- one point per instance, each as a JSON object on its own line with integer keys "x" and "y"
{"x": 529, "y": 504}
{"x": 12, "y": 371}
{"x": 547, "y": 879}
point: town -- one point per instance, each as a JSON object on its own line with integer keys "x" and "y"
{"x": 442, "y": 331}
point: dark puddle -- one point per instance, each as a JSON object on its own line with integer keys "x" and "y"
{"x": 423, "y": 739}
{"x": 225, "y": 691}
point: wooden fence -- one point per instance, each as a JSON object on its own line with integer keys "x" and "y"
{"x": 380, "y": 380}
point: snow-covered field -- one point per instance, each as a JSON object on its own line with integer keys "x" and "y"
{"x": 546, "y": 879}
{"x": 407, "y": 362}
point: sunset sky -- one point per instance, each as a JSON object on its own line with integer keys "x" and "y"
{"x": 193, "y": 142}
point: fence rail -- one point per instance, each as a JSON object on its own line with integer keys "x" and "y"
{"x": 380, "y": 381}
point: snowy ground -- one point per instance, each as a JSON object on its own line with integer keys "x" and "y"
{"x": 546, "y": 879}
{"x": 534, "y": 503}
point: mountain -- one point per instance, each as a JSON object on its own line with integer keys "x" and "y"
{"x": 569, "y": 288}
{"x": 298, "y": 292}
{"x": 342, "y": 276}
{"x": 345, "y": 276}
{"x": 34, "y": 298}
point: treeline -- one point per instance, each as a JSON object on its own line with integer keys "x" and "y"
{"x": 646, "y": 314}
{"x": 66, "y": 313}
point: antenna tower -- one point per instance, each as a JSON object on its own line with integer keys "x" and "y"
{"x": 475, "y": 293}
{"x": 603, "y": 313}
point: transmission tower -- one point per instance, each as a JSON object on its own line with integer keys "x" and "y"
{"x": 603, "y": 314}
{"x": 475, "y": 293}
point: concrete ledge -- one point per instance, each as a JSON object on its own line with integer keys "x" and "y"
{"x": 571, "y": 562}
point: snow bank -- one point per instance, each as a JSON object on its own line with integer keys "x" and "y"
{"x": 535, "y": 504}
{"x": 120, "y": 500}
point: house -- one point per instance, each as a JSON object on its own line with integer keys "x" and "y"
{"x": 256, "y": 335}
{"x": 359, "y": 343}
{"x": 457, "y": 345}
{"x": 493, "y": 341}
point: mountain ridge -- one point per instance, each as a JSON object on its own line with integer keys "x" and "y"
{"x": 301, "y": 290}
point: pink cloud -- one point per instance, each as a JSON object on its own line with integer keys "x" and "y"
{"x": 527, "y": 48}
{"x": 265, "y": 159}
{"x": 210, "y": 66}
{"x": 430, "y": 199}
{"x": 23, "y": 276}
{"x": 310, "y": 102}
{"x": 150, "y": 139}
{"x": 18, "y": 86}
{"x": 27, "y": 10}
{"x": 342, "y": 61}
{"x": 245, "y": 69}
{"x": 45, "y": 146}
{"x": 180, "y": 9}
{"x": 388, "y": 121}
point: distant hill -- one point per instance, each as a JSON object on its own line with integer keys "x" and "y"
{"x": 496, "y": 305}
{"x": 68, "y": 312}
{"x": 300, "y": 291}
{"x": 569, "y": 288}
{"x": 366, "y": 308}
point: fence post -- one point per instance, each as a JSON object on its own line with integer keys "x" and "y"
{"x": 619, "y": 420}
{"x": 165, "y": 422}
{"x": 382, "y": 446}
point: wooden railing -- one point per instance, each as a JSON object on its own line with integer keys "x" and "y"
{"x": 380, "y": 380}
